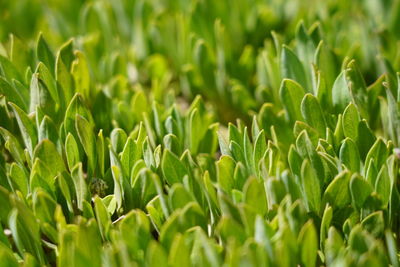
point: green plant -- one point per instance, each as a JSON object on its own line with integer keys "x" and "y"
{"x": 176, "y": 133}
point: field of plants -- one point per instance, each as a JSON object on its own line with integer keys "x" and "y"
{"x": 199, "y": 133}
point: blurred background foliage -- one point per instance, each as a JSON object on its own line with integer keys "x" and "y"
{"x": 213, "y": 48}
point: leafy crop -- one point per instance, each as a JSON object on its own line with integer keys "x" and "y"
{"x": 204, "y": 133}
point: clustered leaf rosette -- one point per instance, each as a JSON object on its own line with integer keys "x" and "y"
{"x": 204, "y": 133}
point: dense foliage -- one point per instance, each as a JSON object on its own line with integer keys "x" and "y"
{"x": 201, "y": 132}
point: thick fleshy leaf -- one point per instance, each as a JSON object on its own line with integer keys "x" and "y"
{"x": 308, "y": 242}
{"x": 311, "y": 187}
{"x": 47, "y": 152}
{"x": 350, "y": 121}
{"x": 88, "y": 140}
{"x": 291, "y": 94}
{"x": 313, "y": 114}
{"x": 173, "y": 169}
{"x": 27, "y": 128}
{"x": 292, "y": 68}
{"x": 81, "y": 190}
{"x": 44, "y": 53}
{"x": 337, "y": 194}
{"x": 349, "y": 155}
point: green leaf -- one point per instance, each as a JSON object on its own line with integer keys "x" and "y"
{"x": 75, "y": 107}
{"x": 341, "y": 96}
{"x": 88, "y": 141}
{"x": 311, "y": 187}
{"x": 122, "y": 188}
{"x": 357, "y": 240}
{"x": 358, "y": 88}
{"x": 180, "y": 252}
{"x": 47, "y": 152}
{"x": 19, "y": 179}
{"x": 372, "y": 172}
{"x": 394, "y": 118}
{"x": 333, "y": 245}
{"x": 291, "y": 94}
{"x": 374, "y": 223}
{"x": 325, "y": 224}
{"x": 307, "y": 150}
{"x": 234, "y": 134}
{"x": 308, "y": 243}
{"x": 181, "y": 220}
{"x": 349, "y": 155}
{"x": 80, "y": 72}
{"x": 260, "y": 147}
{"x": 13, "y": 146}
{"x": 209, "y": 142}
{"x": 313, "y": 114}
{"x": 299, "y": 126}
{"x": 378, "y": 153}
{"x": 27, "y": 128}
{"x": 73, "y": 248}
{"x": 7, "y": 257}
{"x": 360, "y": 189}
{"x": 100, "y": 152}
{"x": 392, "y": 249}
{"x": 7, "y": 205}
{"x": 48, "y": 130}
{"x": 71, "y": 151}
{"x": 295, "y": 161}
{"x": 223, "y": 143}
{"x": 80, "y": 185}
{"x": 172, "y": 168}
{"x": 129, "y": 155}
{"x": 9, "y": 70}
{"x": 254, "y": 195}
{"x": 40, "y": 97}
{"x": 292, "y": 68}
{"x": 383, "y": 185}
{"x": 44, "y": 53}
{"x": 66, "y": 53}
{"x": 148, "y": 154}
{"x": 67, "y": 189}
{"x": 140, "y": 104}
{"x": 25, "y": 232}
{"x": 12, "y": 94}
{"x": 20, "y": 54}
{"x": 225, "y": 170}
{"x": 350, "y": 122}
{"x": 326, "y": 62}
{"x": 337, "y": 194}
{"x": 46, "y": 77}
{"x": 118, "y": 139}
{"x": 103, "y": 217}
{"x": 231, "y": 229}
{"x": 237, "y": 152}
{"x": 366, "y": 138}
{"x": 172, "y": 143}
{"x": 139, "y": 165}
{"x": 157, "y": 125}
{"x": 197, "y": 130}
{"x": 248, "y": 152}
{"x": 110, "y": 204}
{"x": 179, "y": 197}
{"x": 41, "y": 176}
{"x": 44, "y": 208}
{"x": 143, "y": 188}
{"x": 63, "y": 75}
{"x": 156, "y": 256}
